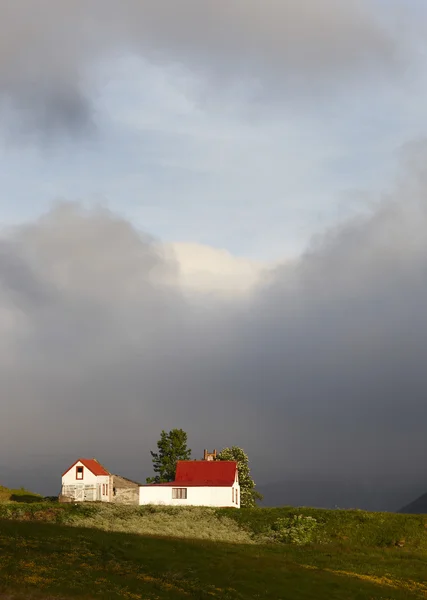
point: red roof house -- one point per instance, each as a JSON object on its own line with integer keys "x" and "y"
{"x": 197, "y": 483}
{"x": 87, "y": 480}
{"x": 206, "y": 473}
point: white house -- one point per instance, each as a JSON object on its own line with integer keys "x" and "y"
{"x": 197, "y": 483}
{"x": 86, "y": 480}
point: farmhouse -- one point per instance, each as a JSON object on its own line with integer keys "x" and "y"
{"x": 88, "y": 481}
{"x": 197, "y": 483}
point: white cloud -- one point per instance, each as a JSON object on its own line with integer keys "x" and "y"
{"x": 204, "y": 269}
{"x": 47, "y": 55}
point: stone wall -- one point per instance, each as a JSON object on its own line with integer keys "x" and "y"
{"x": 123, "y": 491}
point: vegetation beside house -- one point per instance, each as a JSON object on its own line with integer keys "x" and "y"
{"x": 249, "y": 495}
{"x": 349, "y": 528}
{"x": 172, "y": 447}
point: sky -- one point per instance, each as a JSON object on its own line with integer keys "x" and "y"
{"x": 213, "y": 217}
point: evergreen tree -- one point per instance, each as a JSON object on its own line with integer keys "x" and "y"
{"x": 172, "y": 447}
{"x": 248, "y": 494}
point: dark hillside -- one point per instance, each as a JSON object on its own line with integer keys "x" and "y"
{"x": 417, "y": 507}
{"x": 342, "y": 494}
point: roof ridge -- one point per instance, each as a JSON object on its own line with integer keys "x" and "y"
{"x": 88, "y": 463}
{"x": 126, "y": 478}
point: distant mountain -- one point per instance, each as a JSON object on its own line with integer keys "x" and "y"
{"x": 335, "y": 494}
{"x": 417, "y": 507}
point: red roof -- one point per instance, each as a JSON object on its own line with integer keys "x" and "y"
{"x": 92, "y": 464}
{"x": 206, "y": 472}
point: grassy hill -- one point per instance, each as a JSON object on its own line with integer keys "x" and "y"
{"x": 21, "y": 495}
{"x": 55, "y": 551}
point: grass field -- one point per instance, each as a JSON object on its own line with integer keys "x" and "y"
{"x": 51, "y": 551}
{"x": 22, "y": 495}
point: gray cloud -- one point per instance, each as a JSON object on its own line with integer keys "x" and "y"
{"x": 48, "y": 50}
{"x": 320, "y": 370}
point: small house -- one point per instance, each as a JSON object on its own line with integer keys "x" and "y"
{"x": 85, "y": 481}
{"x": 197, "y": 483}
{"x": 88, "y": 481}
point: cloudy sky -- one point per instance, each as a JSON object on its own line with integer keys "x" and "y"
{"x": 213, "y": 217}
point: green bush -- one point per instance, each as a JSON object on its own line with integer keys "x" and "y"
{"x": 296, "y": 529}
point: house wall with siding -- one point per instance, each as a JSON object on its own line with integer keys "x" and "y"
{"x": 196, "y": 496}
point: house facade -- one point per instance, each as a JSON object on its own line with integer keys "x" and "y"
{"x": 197, "y": 483}
{"x": 85, "y": 481}
{"x": 88, "y": 481}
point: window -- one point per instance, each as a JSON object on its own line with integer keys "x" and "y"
{"x": 79, "y": 472}
{"x": 179, "y": 493}
{"x": 103, "y": 489}
{"x": 106, "y": 489}
{"x": 232, "y": 494}
{"x": 237, "y": 497}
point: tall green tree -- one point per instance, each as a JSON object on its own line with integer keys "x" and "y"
{"x": 172, "y": 447}
{"x": 248, "y": 494}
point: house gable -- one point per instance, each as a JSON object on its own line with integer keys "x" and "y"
{"x": 89, "y": 463}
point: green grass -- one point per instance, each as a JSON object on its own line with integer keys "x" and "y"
{"x": 21, "y": 495}
{"x": 194, "y": 523}
{"x": 90, "y": 551}
{"x": 348, "y": 527}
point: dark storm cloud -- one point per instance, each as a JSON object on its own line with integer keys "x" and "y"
{"x": 48, "y": 49}
{"x": 320, "y": 370}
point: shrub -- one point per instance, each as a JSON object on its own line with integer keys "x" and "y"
{"x": 83, "y": 510}
{"x": 296, "y": 529}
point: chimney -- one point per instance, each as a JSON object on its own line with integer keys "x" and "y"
{"x": 209, "y": 455}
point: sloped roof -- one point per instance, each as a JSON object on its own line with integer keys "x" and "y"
{"x": 206, "y": 472}
{"x": 90, "y": 463}
{"x": 127, "y": 479}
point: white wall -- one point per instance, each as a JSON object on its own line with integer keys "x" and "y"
{"x": 196, "y": 496}
{"x": 89, "y": 482}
